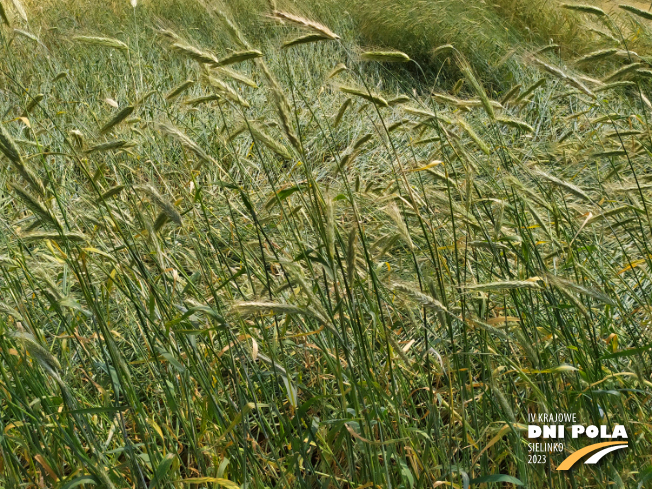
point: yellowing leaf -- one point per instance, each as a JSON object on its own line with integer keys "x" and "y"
{"x": 556, "y": 370}
{"x": 41, "y": 460}
{"x": 631, "y": 266}
{"x": 429, "y": 165}
{"x": 214, "y": 480}
{"x": 157, "y": 428}
{"x": 502, "y": 320}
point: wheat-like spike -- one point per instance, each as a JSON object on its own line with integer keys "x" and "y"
{"x": 106, "y": 42}
{"x": 281, "y": 103}
{"x": 467, "y": 104}
{"x": 421, "y": 298}
{"x": 18, "y": 5}
{"x": 616, "y": 211}
{"x": 239, "y": 57}
{"x": 144, "y": 98}
{"x": 619, "y": 73}
{"x": 362, "y": 140}
{"x": 529, "y": 90}
{"x": 185, "y": 141}
{"x": 117, "y": 119}
{"x": 351, "y": 256}
{"x": 604, "y": 34}
{"x": 8, "y": 146}
{"x": 160, "y": 221}
{"x": 564, "y": 76}
{"x": 246, "y": 309}
{"x": 305, "y": 39}
{"x": 616, "y": 134}
{"x": 268, "y": 74}
{"x": 394, "y": 213}
{"x": 520, "y": 125}
{"x": 112, "y": 192}
{"x": 119, "y": 144}
{"x": 474, "y": 136}
{"x": 375, "y": 99}
{"x": 169, "y": 35}
{"x": 596, "y": 55}
{"x": 51, "y": 286}
{"x": 233, "y": 31}
{"x": 466, "y": 69}
{"x": 200, "y": 100}
{"x": 226, "y": 91}
{"x": 195, "y": 54}
{"x": 585, "y": 9}
{"x": 564, "y": 288}
{"x": 32, "y": 179}
{"x": 443, "y": 49}
{"x": 306, "y": 23}
{"x": 537, "y": 217}
{"x": 615, "y": 85}
{"x": 488, "y": 328}
{"x": 179, "y": 89}
{"x": 78, "y": 137}
{"x": 330, "y": 227}
{"x": 502, "y": 400}
{"x": 506, "y": 285}
{"x": 442, "y": 178}
{"x": 340, "y": 113}
{"x": 339, "y": 68}
{"x": 239, "y": 77}
{"x": 574, "y": 189}
{"x": 33, "y": 103}
{"x": 397, "y": 125}
{"x": 636, "y": 11}
{"x": 40, "y": 236}
{"x": 511, "y": 93}
{"x": 568, "y": 285}
{"x": 401, "y": 99}
{"x": 260, "y": 135}
{"x": 610, "y": 154}
{"x": 7, "y": 309}
{"x": 36, "y": 207}
{"x": 27, "y": 35}
{"x": 515, "y": 182}
{"x": 3, "y": 15}
{"x": 420, "y": 112}
{"x": 545, "y": 49}
{"x": 385, "y": 56}
{"x": 38, "y": 352}
{"x": 166, "y": 206}
{"x": 102, "y": 477}
{"x": 10, "y": 150}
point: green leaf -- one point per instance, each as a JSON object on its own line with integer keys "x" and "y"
{"x": 109, "y": 410}
{"x": 646, "y": 475}
{"x": 496, "y": 478}
{"x": 163, "y": 469}
{"x": 281, "y": 195}
{"x": 173, "y": 361}
{"x": 215, "y": 480}
{"x": 78, "y": 481}
{"x": 629, "y": 352}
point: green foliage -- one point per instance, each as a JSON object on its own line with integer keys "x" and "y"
{"x": 310, "y": 269}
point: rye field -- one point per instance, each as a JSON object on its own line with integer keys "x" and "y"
{"x": 322, "y": 244}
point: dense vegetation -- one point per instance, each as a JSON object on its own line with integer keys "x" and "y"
{"x": 255, "y": 245}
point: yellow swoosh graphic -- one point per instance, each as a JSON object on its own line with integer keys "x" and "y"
{"x": 574, "y": 457}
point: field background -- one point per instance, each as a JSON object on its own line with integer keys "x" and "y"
{"x": 322, "y": 244}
